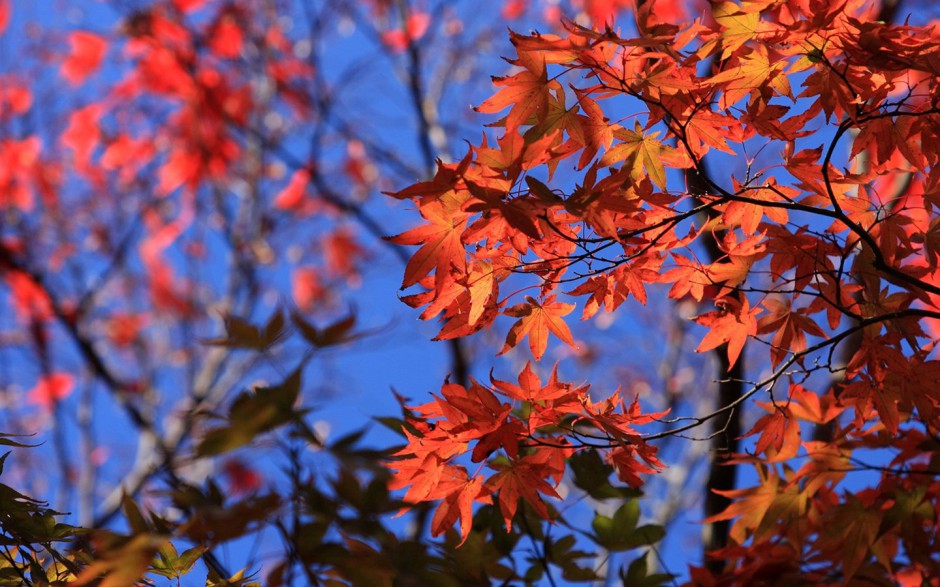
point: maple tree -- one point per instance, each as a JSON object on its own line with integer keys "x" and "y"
{"x": 192, "y": 216}
{"x": 775, "y": 161}
{"x": 190, "y": 201}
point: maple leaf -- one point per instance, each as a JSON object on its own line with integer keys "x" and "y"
{"x": 748, "y": 214}
{"x": 706, "y": 130}
{"x": 14, "y": 98}
{"x": 810, "y": 407}
{"x": 18, "y": 159}
{"x": 518, "y": 214}
{"x": 293, "y": 196}
{"x": 525, "y": 92}
{"x": 851, "y": 529}
{"x": 826, "y": 465}
{"x": 752, "y": 74}
{"x": 830, "y": 90}
{"x": 789, "y": 327}
{"x": 398, "y": 40}
{"x": 732, "y": 323}
{"x": 592, "y": 131}
{"x": 226, "y": 38}
{"x": 741, "y": 257}
{"x": 307, "y": 288}
{"x": 441, "y": 247}
{"x": 86, "y": 50}
{"x": 342, "y": 253}
{"x": 514, "y": 9}
{"x": 867, "y": 393}
{"x": 738, "y": 26}
{"x": 422, "y": 464}
{"x": 126, "y": 155}
{"x": 688, "y": 278}
{"x": 182, "y": 168}
{"x": 30, "y": 300}
{"x": 82, "y": 134}
{"x": 612, "y": 417}
{"x": 457, "y": 505}
{"x": 536, "y": 320}
{"x": 758, "y": 509}
{"x": 520, "y": 478}
{"x": 638, "y": 152}
{"x": 4, "y": 15}
{"x": 483, "y": 284}
{"x": 549, "y": 403}
{"x": 603, "y": 291}
{"x": 624, "y": 459}
{"x": 779, "y": 431}
{"x": 530, "y": 388}
{"x": 242, "y": 478}
{"x": 50, "y": 390}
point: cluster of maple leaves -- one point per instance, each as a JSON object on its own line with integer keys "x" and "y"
{"x": 827, "y": 245}
{"x": 535, "y": 444}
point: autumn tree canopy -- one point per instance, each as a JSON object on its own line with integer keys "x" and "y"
{"x": 774, "y": 162}
{"x": 679, "y": 264}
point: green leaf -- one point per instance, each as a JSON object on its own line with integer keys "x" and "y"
{"x": 620, "y": 533}
{"x": 135, "y": 519}
{"x": 254, "y": 413}
{"x": 237, "y": 580}
{"x": 647, "y": 535}
{"x": 561, "y": 554}
{"x": 592, "y": 475}
{"x": 614, "y": 533}
{"x": 241, "y": 334}
{"x": 336, "y": 333}
{"x": 637, "y": 575}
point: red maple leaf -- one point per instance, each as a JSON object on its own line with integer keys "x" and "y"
{"x": 50, "y": 390}
{"x": 226, "y": 38}
{"x": 789, "y": 327}
{"x": 82, "y": 134}
{"x": 4, "y": 15}
{"x": 86, "y": 50}
{"x": 415, "y": 27}
{"x": 241, "y": 478}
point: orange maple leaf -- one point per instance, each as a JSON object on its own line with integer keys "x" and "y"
{"x": 759, "y": 508}
{"x": 458, "y": 505}
{"x": 522, "y": 477}
{"x": 732, "y": 323}
{"x": 810, "y": 407}
{"x": 526, "y": 92}
{"x": 748, "y": 215}
{"x": 441, "y": 247}
{"x": 536, "y": 321}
